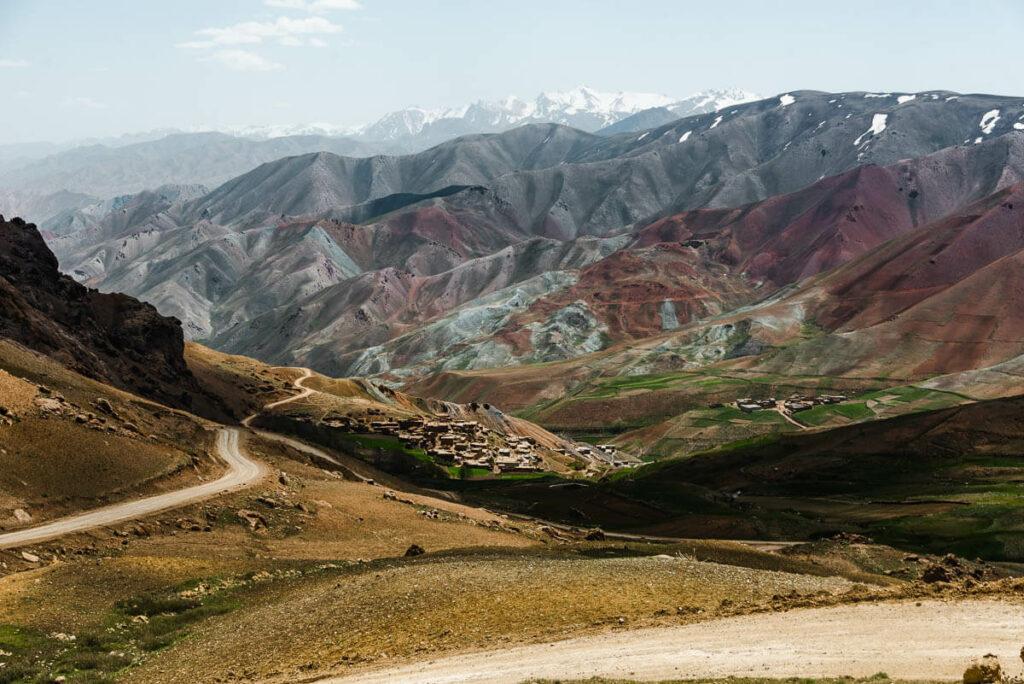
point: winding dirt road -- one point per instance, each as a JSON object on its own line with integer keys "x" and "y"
{"x": 933, "y": 641}
{"x": 303, "y": 393}
{"x": 242, "y": 471}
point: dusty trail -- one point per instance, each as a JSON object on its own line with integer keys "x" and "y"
{"x": 303, "y": 393}
{"x": 295, "y": 443}
{"x": 781, "y": 409}
{"x": 242, "y": 471}
{"x": 935, "y": 640}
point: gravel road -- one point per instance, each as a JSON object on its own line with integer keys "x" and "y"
{"x": 934, "y": 640}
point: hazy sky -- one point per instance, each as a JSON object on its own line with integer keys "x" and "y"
{"x": 70, "y": 69}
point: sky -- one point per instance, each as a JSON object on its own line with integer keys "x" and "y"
{"x": 72, "y": 69}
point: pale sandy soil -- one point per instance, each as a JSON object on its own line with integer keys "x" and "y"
{"x": 933, "y": 640}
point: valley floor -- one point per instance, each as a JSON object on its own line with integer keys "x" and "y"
{"x": 933, "y": 640}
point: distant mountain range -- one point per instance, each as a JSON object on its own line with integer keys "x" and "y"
{"x": 44, "y": 178}
{"x": 582, "y": 108}
{"x": 546, "y": 242}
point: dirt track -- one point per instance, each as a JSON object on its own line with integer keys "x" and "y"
{"x": 935, "y": 640}
{"x": 241, "y": 472}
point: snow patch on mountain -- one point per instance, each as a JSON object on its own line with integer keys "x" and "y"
{"x": 989, "y": 121}
{"x": 877, "y": 126}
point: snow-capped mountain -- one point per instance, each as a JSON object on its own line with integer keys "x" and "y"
{"x": 711, "y": 101}
{"x": 583, "y": 108}
{"x": 415, "y": 128}
{"x": 284, "y": 130}
{"x": 702, "y": 102}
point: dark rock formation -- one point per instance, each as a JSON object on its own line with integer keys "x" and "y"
{"x": 110, "y": 337}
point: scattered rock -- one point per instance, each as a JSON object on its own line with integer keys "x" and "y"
{"x": 392, "y": 496}
{"x": 30, "y": 557}
{"x": 414, "y": 550}
{"x": 984, "y": 670}
{"x": 104, "y": 406}
{"x": 936, "y": 573}
{"x": 253, "y": 519}
{"x": 48, "y": 404}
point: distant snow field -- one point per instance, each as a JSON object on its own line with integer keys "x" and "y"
{"x": 989, "y": 120}
{"x": 877, "y": 126}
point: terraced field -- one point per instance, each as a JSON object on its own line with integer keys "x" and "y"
{"x": 684, "y": 412}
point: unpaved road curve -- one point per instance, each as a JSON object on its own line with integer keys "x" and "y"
{"x": 303, "y": 393}
{"x": 242, "y": 471}
{"x": 294, "y": 443}
{"x": 935, "y": 640}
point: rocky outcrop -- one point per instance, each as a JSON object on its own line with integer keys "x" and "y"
{"x": 110, "y": 337}
{"x": 984, "y": 670}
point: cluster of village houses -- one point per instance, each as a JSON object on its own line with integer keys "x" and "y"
{"x": 450, "y": 441}
{"x": 456, "y": 442}
{"x": 793, "y": 404}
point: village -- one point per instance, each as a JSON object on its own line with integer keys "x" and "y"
{"x": 456, "y": 442}
{"x": 794, "y": 404}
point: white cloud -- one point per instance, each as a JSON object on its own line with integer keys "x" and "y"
{"x": 314, "y": 6}
{"x": 83, "y": 103}
{"x": 284, "y": 30}
{"x": 244, "y": 60}
{"x": 13, "y": 63}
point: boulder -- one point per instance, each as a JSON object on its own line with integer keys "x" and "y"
{"x": 253, "y": 519}
{"x": 414, "y": 550}
{"x": 596, "y": 534}
{"x": 104, "y": 406}
{"x": 984, "y": 670}
{"x": 21, "y": 515}
{"x": 936, "y": 573}
{"x": 29, "y": 557}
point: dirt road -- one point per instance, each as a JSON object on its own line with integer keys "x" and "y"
{"x": 304, "y": 392}
{"x": 935, "y": 640}
{"x": 780, "y": 407}
{"x": 241, "y": 472}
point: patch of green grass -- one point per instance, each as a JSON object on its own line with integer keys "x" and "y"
{"x": 457, "y": 472}
{"x": 389, "y": 443}
{"x": 613, "y": 386}
{"x": 36, "y": 657}
{"x": 822, "y": 414}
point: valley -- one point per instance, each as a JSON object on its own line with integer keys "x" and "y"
{"x": 623, "y": 387}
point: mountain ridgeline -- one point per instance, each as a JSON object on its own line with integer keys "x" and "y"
{"x": 543, "y": 242}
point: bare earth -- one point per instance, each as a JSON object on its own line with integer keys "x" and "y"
{"x": 241, "y": 472}
{"x": 935, "y": 640}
